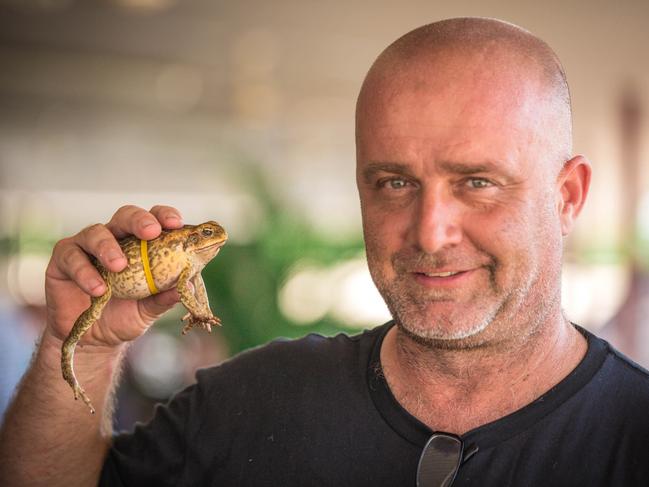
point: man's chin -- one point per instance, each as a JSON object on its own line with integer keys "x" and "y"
{"x": 447, "y": 338}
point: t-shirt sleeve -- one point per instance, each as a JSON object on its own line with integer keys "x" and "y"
{"x": 155, "y": 453}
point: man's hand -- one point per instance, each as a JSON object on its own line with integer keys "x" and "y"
{"x": 71, "y": 278}
{"x": 47, "y": 438}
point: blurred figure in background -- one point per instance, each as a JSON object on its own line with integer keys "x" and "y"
{"x": 19, "y": 332}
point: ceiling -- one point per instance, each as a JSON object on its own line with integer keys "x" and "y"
{"x": 166, "y": 97}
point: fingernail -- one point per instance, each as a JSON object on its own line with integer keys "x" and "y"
{"x": 94, "y": 284}
{"x": 114, "y": 255}
{"x": 174, "y": 218}
{"x": 148, "y": 223}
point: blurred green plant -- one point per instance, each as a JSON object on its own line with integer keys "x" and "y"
{"x": 244, "y": 284}
{"x": 244, "y": 281}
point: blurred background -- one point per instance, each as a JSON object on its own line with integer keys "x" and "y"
{"x": 242, "y": 112}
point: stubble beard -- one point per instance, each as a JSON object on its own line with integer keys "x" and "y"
{"x": 412, "y": 307}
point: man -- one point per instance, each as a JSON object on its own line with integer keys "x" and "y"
{"x": 467, "y": 188}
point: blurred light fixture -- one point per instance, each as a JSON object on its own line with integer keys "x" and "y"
{"x": 305, "y": 296}
{"x": 145, "y": 5}
{"x": 344, "y": 291}
{"x": 357, "y": 302}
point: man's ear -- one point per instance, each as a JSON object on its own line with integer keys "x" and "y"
{"x": 573, "y": 183}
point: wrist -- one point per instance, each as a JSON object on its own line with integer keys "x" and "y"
{"x": 96, "y": 367}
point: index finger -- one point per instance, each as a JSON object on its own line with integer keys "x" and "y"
{"x": 133, "y": 220}
{"x": 168, "y": 216}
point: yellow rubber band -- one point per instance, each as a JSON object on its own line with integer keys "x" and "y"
{"x": 144, "y": 252}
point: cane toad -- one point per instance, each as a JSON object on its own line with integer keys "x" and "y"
{"x": 173, "y": 259}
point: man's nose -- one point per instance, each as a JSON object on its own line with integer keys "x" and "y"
{"x": 437, "y": 221}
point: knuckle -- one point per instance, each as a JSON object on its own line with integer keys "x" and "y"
{"x": 68, "y": 255}
{"x": 92, "y": 238}
{"x": 165, "y": 211}
{"x": 126, "y": 215}
{"x": 140, "y": 212}
{"x": 126, "y": 209}
{"x": 80, "y": 274}
{"x": 92, "y": 229}
{"x": 60, "y": 246}
{"x": 131, "y": 217}
{"x": 105, "y": 245}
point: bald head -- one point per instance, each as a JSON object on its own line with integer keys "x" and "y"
{"x": 486, "y": 51}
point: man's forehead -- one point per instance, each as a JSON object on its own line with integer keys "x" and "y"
{"x": 468, "y": 117}
{"x": 465, "y": 79}
{"x": 420, "y": 107}
{"x": 450, "y": 148}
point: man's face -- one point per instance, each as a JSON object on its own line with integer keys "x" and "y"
{"x": 459, "y": 201}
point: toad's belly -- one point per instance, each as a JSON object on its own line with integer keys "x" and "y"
{"x": 131, "y": 283}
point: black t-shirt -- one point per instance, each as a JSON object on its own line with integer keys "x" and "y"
{"x": 317, "y": 411}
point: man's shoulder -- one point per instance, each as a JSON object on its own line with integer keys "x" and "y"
{"x": 620, "y": 379}
{"x": 627, "y": 377}
{"x": 618, "y": 364}
{"x": 313, "y": 346}
{"x": 289, "y": 361}
{"x": 628, "y": 366}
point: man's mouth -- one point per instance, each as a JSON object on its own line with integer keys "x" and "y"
{"x": 440, "y": 274}
{"x": 443, "y": 278}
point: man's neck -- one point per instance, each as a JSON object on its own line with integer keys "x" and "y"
{"x": 458, "y": 390}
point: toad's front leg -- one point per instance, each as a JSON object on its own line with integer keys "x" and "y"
{"x": 196, "y": 302}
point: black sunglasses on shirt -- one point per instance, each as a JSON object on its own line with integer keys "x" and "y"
{"x": 441, "y": 460}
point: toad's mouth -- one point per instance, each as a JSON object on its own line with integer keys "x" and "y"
{"x": 218, "y": 246}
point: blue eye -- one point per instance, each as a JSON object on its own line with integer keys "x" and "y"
{"x": 396, "y": 183}
{"x": 479, "y": 183}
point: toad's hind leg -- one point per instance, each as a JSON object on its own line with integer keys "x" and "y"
{"x": 83, "y": 323}
{"x": 197, "y": 304}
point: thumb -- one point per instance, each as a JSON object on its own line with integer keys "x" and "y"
{"x": 153, "y": 307}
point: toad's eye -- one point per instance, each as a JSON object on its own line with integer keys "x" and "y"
{"x": 207, "y": 232}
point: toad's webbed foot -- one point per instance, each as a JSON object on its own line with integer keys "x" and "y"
{"x": 205, "y": 322}
{"x": 80, "y": 393}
